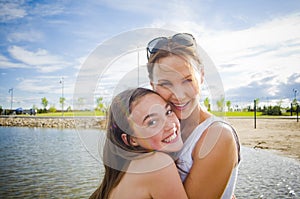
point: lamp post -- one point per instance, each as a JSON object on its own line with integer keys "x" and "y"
{"x": 138, "y": 67}
{"x": 62, "y": 95}
{"x": 11, "y": 91}
{"x": 295, "y": 94}
{"x": 255, "y": 103}
{"x": 296, "y": 103}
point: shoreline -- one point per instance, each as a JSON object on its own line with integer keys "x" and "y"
{"x": 53, "y": 122}
{"x": 278, "y": 135}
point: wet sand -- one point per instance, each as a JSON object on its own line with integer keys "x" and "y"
{"x": 282, "y": 136}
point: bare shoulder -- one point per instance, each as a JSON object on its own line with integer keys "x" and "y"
{"x": 160, "y": 156}
{"x": 225, "y": 130}
{"x": 164, "y": 182}
{"x": 217, "y": 138}
{"x": 152, "y": 162}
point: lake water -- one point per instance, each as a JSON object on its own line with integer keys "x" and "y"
{"x": 53, "y": 163}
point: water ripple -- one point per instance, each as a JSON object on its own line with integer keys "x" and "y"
{"x": 52, "y": 163}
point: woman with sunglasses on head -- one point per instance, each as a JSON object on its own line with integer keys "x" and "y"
{"x": 141, "y": 125}
{"x": 208, "y": 162}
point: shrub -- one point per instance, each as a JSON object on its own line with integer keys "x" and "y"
{"x": 272, "y": 110}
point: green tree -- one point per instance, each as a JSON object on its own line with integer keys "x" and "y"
{"x": 207, "y": 103}
{"x": 44, "y": 102}
{"x": 100, "y": 105}
{"x": 228, "y": 104}
{"x": 255, "y": 105}
{"x": 62, "y": 101}
{"x": 294, "y": 105}
{"x": 52, "y": 109}
{"x": 279, "y": 103}
{"x": 272, "y": 110}
{"x": 294, "y": 102}
{"x": 80, "y": 103}
{"x": 257, "y": 101}
{"x": 220, "y": 104}
{"x": 69, "y": 109}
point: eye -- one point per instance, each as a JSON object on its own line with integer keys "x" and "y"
{"x": 152, "y": 122}
{"x": 169, "y": 111}
{"x": 188, "y": 80}
{"x": 165, "y": 84}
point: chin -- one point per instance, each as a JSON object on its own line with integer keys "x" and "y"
{"x": 174, "y": 147}
{"x": 182, "y": 115}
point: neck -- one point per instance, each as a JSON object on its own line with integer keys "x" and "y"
{"x": 189, "y": 124}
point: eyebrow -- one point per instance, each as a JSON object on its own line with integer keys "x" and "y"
{"x": 188, "y": 76}
{"x": 153, "y": 114}
{"x": 166, "y": 80}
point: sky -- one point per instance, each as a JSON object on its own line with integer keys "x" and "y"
{"x": 255, "y": 45}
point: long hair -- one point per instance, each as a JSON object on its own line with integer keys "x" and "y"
{"x": 117, "y": 154}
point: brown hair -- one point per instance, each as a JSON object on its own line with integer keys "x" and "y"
{"x": 117, "y": 154}
{"x": 188, "y": 53}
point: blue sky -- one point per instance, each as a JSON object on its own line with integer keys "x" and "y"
{"x": 255, "y": 45}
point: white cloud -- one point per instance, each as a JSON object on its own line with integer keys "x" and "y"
{"x": 42, "y": 60}
{"x": 49, "y": 9}
{"x": 176, "y": 10}
{"x": 45, "y": 85}
{"x": 6, "y": 63}
{"x": 34, "y": 85}
{"x": 12, "y": 10}
{"x": 30, "y": 36}
{"x": 138, "y": 6}
{"x": 273, "y": 46}
{"x": 231, "y": 44}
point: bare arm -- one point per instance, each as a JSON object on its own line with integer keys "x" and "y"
{"x": 166, "y": 183}
{"x": 214, "y": 156}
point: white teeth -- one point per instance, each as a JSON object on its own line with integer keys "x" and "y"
{"x": 180, "y": 105}
{"x": 172, "y": 137}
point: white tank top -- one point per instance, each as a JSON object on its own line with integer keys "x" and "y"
{"x": 185, "y": 160}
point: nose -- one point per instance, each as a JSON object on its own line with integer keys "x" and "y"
{"x": 169, "y": 125}
{"x": 179, "y": 93}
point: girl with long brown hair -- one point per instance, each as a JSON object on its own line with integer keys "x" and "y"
{"x": 141, "y": 126}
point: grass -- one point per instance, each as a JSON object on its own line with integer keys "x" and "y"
{"x": 242, "y": 114}
{"x": 236, "y": 114}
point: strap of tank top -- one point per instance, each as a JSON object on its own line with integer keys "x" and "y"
{"x": 235, "y": 137}
{"x": 196, "y": 134}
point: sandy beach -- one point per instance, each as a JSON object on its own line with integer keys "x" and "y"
{"x": 282, "y": 136}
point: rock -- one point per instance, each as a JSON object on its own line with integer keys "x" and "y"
{"x": 54, "y": 122}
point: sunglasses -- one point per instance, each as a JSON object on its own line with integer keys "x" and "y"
{"x": 183, "y": 39}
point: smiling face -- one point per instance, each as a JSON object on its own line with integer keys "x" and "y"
{"x": 175, "y": 80}
{"x": 155, "y": 125}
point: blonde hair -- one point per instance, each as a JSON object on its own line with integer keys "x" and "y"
{"x": 187, "y": 53}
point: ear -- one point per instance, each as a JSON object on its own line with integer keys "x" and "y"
{"x": 131, "y": 142}
{"x": 202, "y": 75}
{"x": 152, "y": 85}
